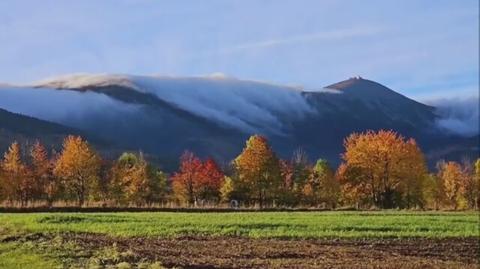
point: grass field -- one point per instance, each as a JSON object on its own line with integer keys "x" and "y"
{"x": 49, "y": 240}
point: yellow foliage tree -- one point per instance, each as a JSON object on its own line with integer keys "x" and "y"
{"x": 258, "y": 171}
{"x": 453, "y": 179}
{"x": 226, "y": 189}
{"x": 382, "y": 166}
{"x": 17, "y": 183}
{"x": 78, "y": 167}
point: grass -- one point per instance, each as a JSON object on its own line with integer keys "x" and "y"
{"x": 22, "y": 244}
{"x": 252, "y": 224}
{"x": 15, "y": 255}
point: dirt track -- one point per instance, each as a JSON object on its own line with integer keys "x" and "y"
{"x": 228, "y": 252}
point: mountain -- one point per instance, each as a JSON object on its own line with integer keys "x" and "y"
{"x": 214, "y": 115}
{"x": 25, "y": 129}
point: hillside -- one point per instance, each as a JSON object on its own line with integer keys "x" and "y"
{"x": 26, "y": 130}
{"x": 163, "y": 116}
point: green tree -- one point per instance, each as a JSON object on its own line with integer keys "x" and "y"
{"x": 322, "y": 186}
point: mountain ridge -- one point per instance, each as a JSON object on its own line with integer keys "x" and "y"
{"x": 214, "y": 116}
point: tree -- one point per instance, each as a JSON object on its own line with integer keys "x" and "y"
{"x": 381, "y": 166}
{"x": 186, "y": 182}
{"x": 78, "y": 166}
{"x": 258, "y": 171}
{"x": 472, "y": 183}
{"x": 17, "y": 179}
{"x": 288, "y": 195}
{"x": 227, "y": 189}
{"x": 322, "y": 186}
{"x": 197, "y": 181}
{"x": 301, "y": 169}
{"x": 211, "y": 180}
{"x": 103, "y": 186}
{"x": 476, "y": 184}
{"x": 452, "y": 177}
{"x": 296, "y": 174}
{"x": 415, "y": 175}
{"x": 157, "y": 185}
{"x": 434, "y": 193}
{"x": 135, "y": 181}
{"x": 42, "y": 170}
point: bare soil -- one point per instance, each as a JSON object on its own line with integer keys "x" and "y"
{"x": 235, "y": 252}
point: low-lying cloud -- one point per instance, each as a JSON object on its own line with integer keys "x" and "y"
{"x": 459, "y": 115}
{"x": 250, "y": 106}
{"x": 71, "y": 108}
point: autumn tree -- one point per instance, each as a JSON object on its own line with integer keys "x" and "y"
{"x": 452, "y": 176}
{"x": 381, "y": 165}
{"x": 45, "y": 184}
{"x": 197, "y": 181}
{"x": 227, "y": 189}
{"x": 18, "y": 183}
{"x": 258, "y": 171}
{"x": 471, "y": 190}
{"x": 186, "y": 181}
{"x": 78, "y": 167}
{"x": 211, "y": 180}
{"x": 135, "y": 181}
{"x": 414, "y": 173}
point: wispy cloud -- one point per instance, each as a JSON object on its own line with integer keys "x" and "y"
{"x": 304, "y": 38}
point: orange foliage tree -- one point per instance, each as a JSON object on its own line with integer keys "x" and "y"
{"x": 381, "y": 168}
{"x": 258, "y": 171}
{"x": 196, "y": 180}
{"x": 211, "y": 181}
{"x": 78, "y": 167}
{"x": 133, "y": 180}
{"x": 17, "y": 183}
{"x": 453, "y": 179}
{"x": 45, "y": 184}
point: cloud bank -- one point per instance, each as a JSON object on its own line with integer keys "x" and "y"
{"x": 250, "y": 106}
{"x": 69, "y": 108}
{"x": 458, "y": 115}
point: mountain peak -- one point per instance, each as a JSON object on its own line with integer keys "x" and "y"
{"x": 364, "y": 88}
{"x": 356, "y": 82}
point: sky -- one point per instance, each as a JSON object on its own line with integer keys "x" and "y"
{"x": 421, "y": 48}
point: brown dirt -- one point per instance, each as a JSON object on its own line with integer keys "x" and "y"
{"x": 232, "y": 252}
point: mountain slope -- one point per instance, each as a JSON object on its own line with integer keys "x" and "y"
{"x": 16, "y": 127}
{"x": 164, "y": 116}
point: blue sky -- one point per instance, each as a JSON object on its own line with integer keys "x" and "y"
{"x": 421, "y": 48}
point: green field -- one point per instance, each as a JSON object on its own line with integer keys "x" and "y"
{"x": 50, "y": 240}
{"x": 258, "y": 224}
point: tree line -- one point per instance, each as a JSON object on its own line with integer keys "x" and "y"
{"x": 378, "y": 170}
